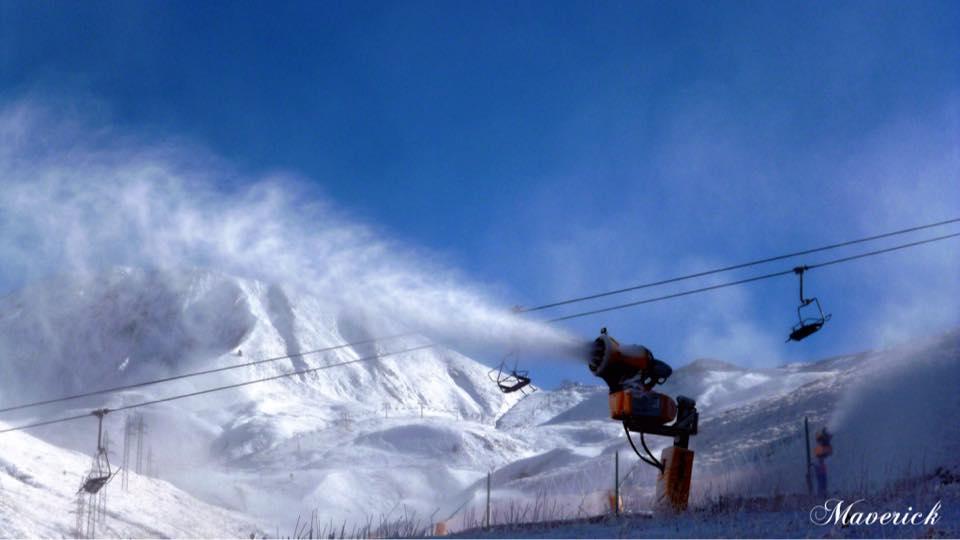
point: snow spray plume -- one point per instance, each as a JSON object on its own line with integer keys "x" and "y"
{"x": 79, "y": 201}
{"x": 894, "y": 422}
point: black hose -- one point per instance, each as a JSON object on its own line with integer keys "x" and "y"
{"x": 649, "y": 453}
{"x": 652, "y": 461}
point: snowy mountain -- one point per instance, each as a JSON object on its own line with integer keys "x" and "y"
{"x": 71, "y": 335}
{"x": 415, "y": 433}
{"x": 270, "y": 449}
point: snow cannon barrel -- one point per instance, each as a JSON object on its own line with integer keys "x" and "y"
{"x": 626, "y": 366}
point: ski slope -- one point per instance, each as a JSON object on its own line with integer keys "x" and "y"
{"x": 38, "y": 498}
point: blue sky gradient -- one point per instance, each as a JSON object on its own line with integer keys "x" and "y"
{"x": 553, "y": 149}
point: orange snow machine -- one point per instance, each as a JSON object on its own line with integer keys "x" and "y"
{"x": 631, "y": 372}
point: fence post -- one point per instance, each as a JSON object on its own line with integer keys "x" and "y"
{"x": 487, "y": 520}
{"x": 616, "y": 483}
{"x": 806, "y": 430}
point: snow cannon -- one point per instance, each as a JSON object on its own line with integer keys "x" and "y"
{"x": 631, "y": 372}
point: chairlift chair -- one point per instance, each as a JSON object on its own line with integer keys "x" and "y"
{"x": 98, "y": 476}
{"x": 100, "y": 473}
{"x": 510, "y": 381}
{"x": 806, "y": 326}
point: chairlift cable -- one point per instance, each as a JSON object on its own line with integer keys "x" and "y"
{"x": 219, "y": 388}
{"x": 556, "y": 319}
{"x": 519, "y": 310}
{"x": 737, "y": 266}
{"x": 750, "y": 279}
{"x": 194, "y": 374}
{"x": 881, "y": 251}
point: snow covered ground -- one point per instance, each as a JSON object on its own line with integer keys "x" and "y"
{"x": 784, "y": 517}
{"x": 415, "y": 433}
{"x": 38, "y": 498}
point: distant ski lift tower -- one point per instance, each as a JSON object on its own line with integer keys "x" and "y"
{"x": 127, "y": 436}
{"x": 140, "y": 431}
{"x": 102, "y": 494}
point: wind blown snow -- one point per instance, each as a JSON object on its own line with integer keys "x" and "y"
{"x": 78, "y": 198}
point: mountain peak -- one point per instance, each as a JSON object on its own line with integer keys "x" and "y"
{"x": 709, "y": 364}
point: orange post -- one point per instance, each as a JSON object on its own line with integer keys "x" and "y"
{"x": 673, "y": 485}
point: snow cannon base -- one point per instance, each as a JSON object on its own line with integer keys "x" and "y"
{"x": 673, "y": 484}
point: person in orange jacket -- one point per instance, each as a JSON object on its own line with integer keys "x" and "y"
{"x": 822, "y": 452}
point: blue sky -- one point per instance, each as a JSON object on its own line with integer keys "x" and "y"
{"x": 553, "y": 149}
